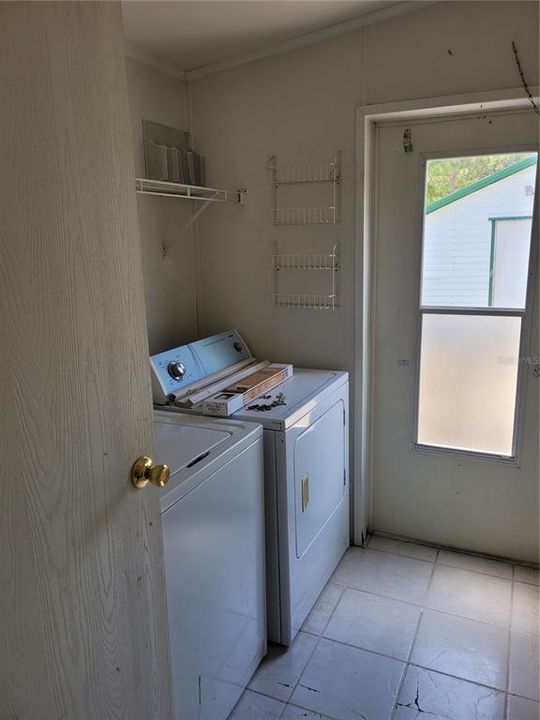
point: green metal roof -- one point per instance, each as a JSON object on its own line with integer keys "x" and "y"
{"x": 481, "y": 184}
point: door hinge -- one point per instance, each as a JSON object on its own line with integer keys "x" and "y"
{"x": 344, "y": 476}
{"x": 344, "y": 417}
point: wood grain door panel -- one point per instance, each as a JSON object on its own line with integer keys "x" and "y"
{"x": 83, "y": 630}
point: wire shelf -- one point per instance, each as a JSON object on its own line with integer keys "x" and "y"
{"x": 305, "y": 262}
{"x": 190, "y": 192}
{"x": 296, "y": 175}
{"x": 305, "y": 301}
{"x": 304, "y": 215}
{"x": 327, "y": 172}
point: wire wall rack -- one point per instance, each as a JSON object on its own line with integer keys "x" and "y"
{"x": 306, "y": 262}
{"x": 307, "y": 280}
{"x": 304, "y": 215}
{"x": 309, "y": 264}
{"x": 328, "y": 173}
{"x": 292, "y": 174}
{"x": 305, "y": 301}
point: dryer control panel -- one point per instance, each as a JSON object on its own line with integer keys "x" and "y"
{"x": 175, "y": 371}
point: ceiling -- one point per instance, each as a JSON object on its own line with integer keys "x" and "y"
{"x": 190, "y": 34}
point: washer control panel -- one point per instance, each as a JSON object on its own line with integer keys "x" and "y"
{"x": 175, "y": 370}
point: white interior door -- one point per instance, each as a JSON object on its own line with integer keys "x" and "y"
{"x": 83, "y": 630}
{"x": 455, "y": 396}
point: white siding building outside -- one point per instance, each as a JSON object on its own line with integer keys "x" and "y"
{"x": 474, "y": 241}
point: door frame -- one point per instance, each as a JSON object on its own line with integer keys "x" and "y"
{"x": 365, "y": 232}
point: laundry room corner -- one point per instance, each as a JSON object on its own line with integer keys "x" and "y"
{"x": 170, "y": 283}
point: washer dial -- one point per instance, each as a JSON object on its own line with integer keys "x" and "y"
{"x": 176, "y": 370}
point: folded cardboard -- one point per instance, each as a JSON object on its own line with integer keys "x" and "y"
{"x": 235, "y": 396}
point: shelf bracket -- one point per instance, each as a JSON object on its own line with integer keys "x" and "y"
{"x": 186, "y": 227}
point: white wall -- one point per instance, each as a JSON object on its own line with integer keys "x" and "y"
{"x": 169, "y": 283}
{"x": 301, "y": 106}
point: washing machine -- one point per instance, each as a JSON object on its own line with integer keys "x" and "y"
{"x": 212, "y": 514}
{"x": 306, "y": 463}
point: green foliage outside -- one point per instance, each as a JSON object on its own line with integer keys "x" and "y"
{"x": 450, "y": 174}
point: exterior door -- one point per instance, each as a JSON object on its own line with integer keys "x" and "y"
{"x": 455, "y": 389}
{"x": 83, "y": 630}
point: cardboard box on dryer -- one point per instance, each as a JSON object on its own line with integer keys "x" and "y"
{"x": 234, "y": 397}
{"x": 223, "y": 404}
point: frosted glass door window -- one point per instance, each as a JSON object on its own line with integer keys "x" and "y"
{"x": 468, "y": 380}
{"x": 475, "y": 268}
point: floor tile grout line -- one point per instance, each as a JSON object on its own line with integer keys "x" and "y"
{"x": 396, "y": 554}
{"x": 331, "y": 717}
{"x": 280, "y": 715}
{"x": 413, "y": 641}
{"x": 406, "y": 663}
{"x": 285, "y": 703}
{"x": 342, "y": 593}
{"x": 379, "y": 594}
{"x": 524, "y": 697}
{"x": 417, "y": 605}
{"x": 447, "y": 548}
{"x": 321, "y": 636}
{"x": 402, "y": 557}
{"x": 441, "y": 563}
{"x": 509, "y": 640}
{"x": 343, "y": 586}
{"x": 406, "y": 666}
{"x": 477, "y": 572}
{"x": 413, "y": 664}
{"x": 302, "y": 707}
{"x": 457, "y": 677}
{"x": 436, "y": 564}
{"x": 305, "y": 666}
{"x": 526, "y": 582}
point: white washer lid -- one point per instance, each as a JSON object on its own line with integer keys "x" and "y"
{"x": 179, "y": 445}
{"x": 196, "y": 447}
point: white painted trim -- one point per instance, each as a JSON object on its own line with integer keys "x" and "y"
{"x": 448, "y": 105}
{"x": 148, "y": 58}
{"x": 393, "y": 10}
{"x": 366, "y": 117}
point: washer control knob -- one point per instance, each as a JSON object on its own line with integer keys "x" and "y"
{"x": 176, "y": 370}
{"x": 237, "y": 346}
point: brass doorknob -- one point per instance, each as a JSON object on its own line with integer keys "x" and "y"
{"x": 144, "y": 471}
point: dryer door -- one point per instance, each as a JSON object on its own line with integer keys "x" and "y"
{"x": 319, "y": 473}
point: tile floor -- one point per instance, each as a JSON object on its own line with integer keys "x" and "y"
{"x": 408, "y": 632}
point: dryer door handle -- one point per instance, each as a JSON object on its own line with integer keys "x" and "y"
{"x": 305, "y": 492}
